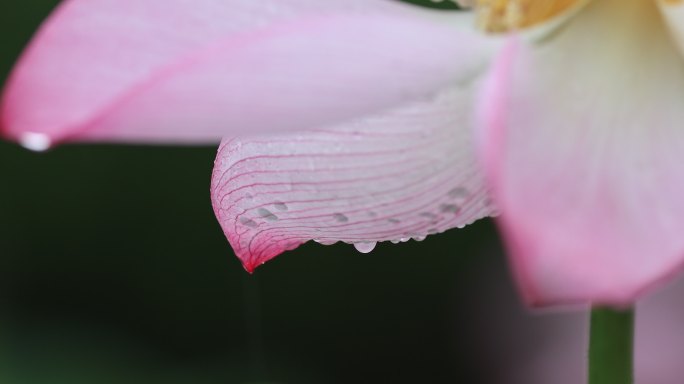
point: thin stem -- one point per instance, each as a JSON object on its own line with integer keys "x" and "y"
{"x": 611, "y": 346}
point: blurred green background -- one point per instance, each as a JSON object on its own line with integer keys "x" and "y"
{"x": 113, "y": 269}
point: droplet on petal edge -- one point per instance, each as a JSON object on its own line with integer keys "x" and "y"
{"x": 37, "y": 142}
{"x": 325, "y": 241}
{"x": 365, "y": 246}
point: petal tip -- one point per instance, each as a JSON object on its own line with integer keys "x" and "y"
{"x": 249, "y": 267}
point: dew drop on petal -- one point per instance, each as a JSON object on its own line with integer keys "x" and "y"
{"x": 279, "y": 205}
{"x": 395, "y": 241}
{"x": 37, "y": 142}
{"x": 266, "y": 214}
{"x": 419, "y": 238}
{"x": 450, "y": 208}
{"x": 458, "y": 192}
{"x": 248, "y": 222}
{"x": 325, "y": 241}
{"x": 365, "y": 246}
{"x": 340, "y": 218}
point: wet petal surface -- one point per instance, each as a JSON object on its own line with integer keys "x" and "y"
{"x": 394, "y": 176}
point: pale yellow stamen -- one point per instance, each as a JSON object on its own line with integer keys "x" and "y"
{"x": 496, "y": 16}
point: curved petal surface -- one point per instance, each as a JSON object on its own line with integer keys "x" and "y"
{"x": 405, "y": 173}
{"x": 583, "y": 145}
{"x": 673, "y": 11}
{"x": 194, "y": 71}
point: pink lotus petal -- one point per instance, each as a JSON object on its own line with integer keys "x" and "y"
{"x": 583, "y": 144}
{"x": 194, "y": 71}
{"x": 673, "y": 11}
{"x": 401, "y": 174}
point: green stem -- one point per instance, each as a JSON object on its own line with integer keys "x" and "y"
{"x": 610, "y": 346}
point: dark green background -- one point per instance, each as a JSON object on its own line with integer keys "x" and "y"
{"x": 113, "y": 269}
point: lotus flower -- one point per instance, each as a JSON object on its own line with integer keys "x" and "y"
{"x": 372, "y": 120}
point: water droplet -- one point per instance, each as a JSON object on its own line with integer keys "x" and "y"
{"x": 248, "y": 222}
{"x": 458, "y": 192}
{"x": 340, "y": 217}
{"x": 279, "y": 205}
{"x": 325, "y": 241}
{"x": 365, "y": 246}
{"x": 404, "y": 239}
{"x": 38, "y": 142}
{"x": 449, "y": 208}
{"x": 395, "y": 241}
{"x": 419, "y": 238}
{"x": 428, "y": 215}
{"x": 266, "y": 214}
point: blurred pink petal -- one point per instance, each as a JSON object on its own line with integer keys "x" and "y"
{"x": 195, "y": 71}
{"x": 544, "y": 348}
{"x": 402, "y": 174}
{"x": 584, "y": 149}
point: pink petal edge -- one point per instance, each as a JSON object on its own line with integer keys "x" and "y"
{"x": 193, "y": 72}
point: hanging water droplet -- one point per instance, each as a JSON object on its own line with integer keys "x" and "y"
{"x": 395, "y": 241}
{"x": 38, "y": 142}
{"x": 365, "y": 246}
{"x": 404, "y": 239}
{"x": 419, "y": 238}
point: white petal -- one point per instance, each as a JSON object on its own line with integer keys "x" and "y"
{"x": 673, "y": 11}
{"x": 584, "y": 144}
